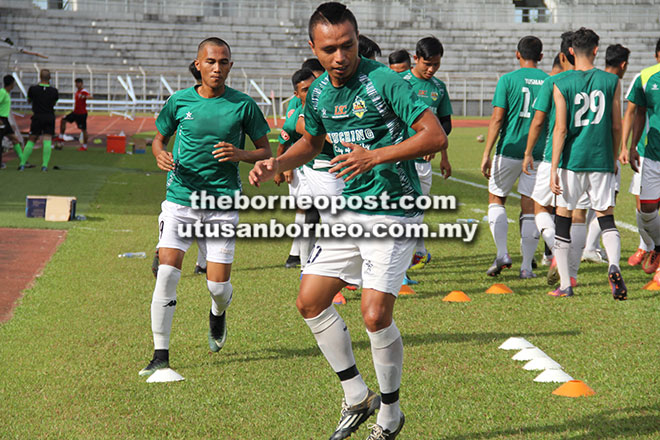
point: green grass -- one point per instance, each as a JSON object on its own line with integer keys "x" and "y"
{"x": 70, "y": 355}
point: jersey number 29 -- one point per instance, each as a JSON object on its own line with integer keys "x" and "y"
{"x": 595, "y": 101}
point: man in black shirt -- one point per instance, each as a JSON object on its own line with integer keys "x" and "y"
{"x": 43, "y": 98}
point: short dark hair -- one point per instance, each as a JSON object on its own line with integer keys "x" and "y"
{"x": 216, "y": 42}
{"x": 566, "y": 43}
{"x": 312, "y": 64}
{"x": 616, "y": 54}
{"x": 44, "y": 75}
{"x": 331, "y": 13}
{"x": 584, "y": 41}
{"x": 194, "y": 71}
{"x": 78, "y": 80}
{"x": 530, "y": 48}
{"x": 367, "y": 47}
{"x": 657, "y": 46}
{"x": 399, "y": 56}
{"x": 556, "y": 62}
{"x": 429, "y": 47}
{"x": 300, "y": 76}
{"x": 8, "y": 80}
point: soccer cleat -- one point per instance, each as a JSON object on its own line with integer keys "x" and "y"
{"x": 378, "y": 433}
{"x": 559, "y": 293}
{"x": 57, "y": 146}
{"x": 154, "y": 264}
{"x": 339, "y": 299}
{"x": 353, "y": 416}
{"x": 637, "y": 257}
{"x": 619, "y": 291}
{"x": 217, "y": 331}
{"x": 573, "y": 282}
{"x": 420, "y": 260}
{"x": 21, "y": 168}
{"x": 408, "y": 282}
{"x": 553, "y": 273}
{"x": 526, "y": 274}
{"x": 650, "y": 263}
{"x": 155, "y": 364}
{"x": 292, "y": 261}
{"x": 593, "y": 256}
{"x": 44, "y": 169}
{"x": 199, "y": 269}
{"x": 499, "y": 264}
{"x": 535, "y": 265}
{"x": 352, "y": 287}
{"x": 82, "y": 149}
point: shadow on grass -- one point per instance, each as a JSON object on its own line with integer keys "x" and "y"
{"x": 615, "y": 423}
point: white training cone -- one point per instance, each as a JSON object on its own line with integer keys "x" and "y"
{"x": 558, "y": 376}
{"x": 165, "y": 375}
{"x": 516, "y": 344}
{"x": 528, "y": 354}
{"x": 542, "y": 363}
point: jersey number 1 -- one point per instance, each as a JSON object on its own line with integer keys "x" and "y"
{"x": 595, "y": 101}
{"x": 527, "y": 96}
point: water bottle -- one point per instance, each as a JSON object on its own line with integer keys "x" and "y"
{"x": 467, "y": 220}
{"x": 133, "y": 255}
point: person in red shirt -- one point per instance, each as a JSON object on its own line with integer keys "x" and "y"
{"x": 79, "y": 113}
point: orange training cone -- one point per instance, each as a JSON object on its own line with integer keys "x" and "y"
{"x": 406, "y": 290}
{"x": 651, "y": 285}
{"x": 456, "y": 296}
{"x": 574, "y": 388}
{"x": 499, "y": 289}
{"x": 339, "y": 299}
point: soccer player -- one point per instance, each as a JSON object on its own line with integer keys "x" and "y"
{"x": 43, "y": 98}
{"x": 556, "y": 66}
{"x": 585, "y": 144}
{"x": 79, "y": 113}
{"x": 645, "y": 96}
{"x": 365, "y": 108}
{"x": 399, "y": 61}
{"x": 5, "y": 107}
{"x": 432, "y": 92}
{"x": 368, "y": 48}
{"x": 211, "y": 121}
{"x": 313, "y": 65}
{"x": 512, "y": 114}
{"x": 616, "y": 62}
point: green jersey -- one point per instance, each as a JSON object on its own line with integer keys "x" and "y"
{"x": 588, "y": 145}
{"x": 515, "y": 92}
{"x": 289, "y": 136}
{"x": 293, "y": 104}
{"x": 546, "y": 104}
{"x": 373, "y": 109}
{"x": 199, "y": 124}
{"x": 431, "y": 92}
{"x": 5, "y": 103}
{"x": 645, "y": 92}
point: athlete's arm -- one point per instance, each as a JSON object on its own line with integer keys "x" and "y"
{"x": 535, "y": 129}
{"x": 628, "y": 119}
{"x": 164, "y": 158}
{"x": 429, "y": 138}
{"x": 616, "y": 123}
{"x": 494, "y": 127}
{"x": 558, "y": 138}
{"x": 226, "y": 152}
{"x": 637, "y": 129}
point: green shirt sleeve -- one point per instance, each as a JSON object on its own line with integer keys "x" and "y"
{"x": 166, "y": 122}
{"x": 254, "y": 123}
{"x": 499, "y": 99}
{"x": 288, "y": 129}
{"x": 543, "y": 100}
{"x": 401, "y": 98}
{"x": 637, "y": 95}
{"x": 313, "y": 123}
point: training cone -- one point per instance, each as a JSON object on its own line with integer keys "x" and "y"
{"x": 528, "y": 354}
{"x": 542, "y": 363}
{"x": 498, "y": 289}
{"x": 553, "y": 375}
{"x": 165, "y": 375}
{"x": 651, "y": 285}
{"x": 339, "y": 299}
{"x": 515, "y": 343}
{"x": 574, "y": 388}
{"x": 406, "y": 290}
{"x": 456, "y": 296}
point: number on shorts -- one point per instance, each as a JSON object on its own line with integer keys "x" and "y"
{"x": 595, "y": 102}
{"x": 527, "y": 97}
{"x": 161, "y": 226}
{"x": 316, "y": 250}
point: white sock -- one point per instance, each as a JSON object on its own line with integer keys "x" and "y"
{"x": 420, "y": 247}
{"x": 644, "y": 245}
{"x": 306, "y": 245}
{"x": 529, "y": 241}
{"x": 612, "y": 244}
{"x": 163, "y": 304}
{"x": 643, "y": 233}
{"x": 578, "y": 238}
{"x": 334, "y": 341}
{"x": 498, "y": 227}
{"x": 546, "y": 226}
{"x": 387, "y": 353}
{"x": 593, "y": 235}
{"x": 221, "y": 295}
{"x": 295, "y": 246}
{"x": 561, "y": 251}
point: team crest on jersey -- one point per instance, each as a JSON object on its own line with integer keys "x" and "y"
{"x": 434, "y": 96}
{"x": 359, "y": 107}
{"x": 189, "y": 116}
{"x": 285, "y": 135}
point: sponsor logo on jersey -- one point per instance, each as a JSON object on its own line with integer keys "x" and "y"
{"x": 655, "y": 87}
{"x": 290, "y": 112}
{"x": 189, "y": 116}
{"x": 359, "y": 107}
{"x": 421, "y": 93}
{"x": 324, "y": 113}
{"x": 352, "y": 136}
{"x": 341, "y": 111}
{"x": 285, "y": 135}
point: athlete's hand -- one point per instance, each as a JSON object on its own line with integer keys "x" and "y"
{"x": 445, "y": 166}
{"x": 633, "y": 159}
{"x": 288, "y": 176}
{"x": 528, "y": 164}
{"x": 555, "y": 185}
{"x": 485, "y": 167}
{"x": 226, "y": 152}
{"x": 624, "y": 156}
{"x": 165, "y": 161}
{"x": 358, "y": 161}
{"x": 279, "y": 178}
{"x": 429, "y": 157}
{"x": 263, "y": 171}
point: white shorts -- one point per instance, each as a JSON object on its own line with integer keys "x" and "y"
{"x": 542, "y": 193}
{"x": 650, "y": 181}
{"x": 323, "y": 183}
{"x": 504, "y": 173}
{"x": 598, "y": 187}
{"x": 374, "y": 263}
{"x": 299, "y": 186}
{"x": 617, "y": 177}
{"x": 636, "y": 181}
{"x": 425, "y": 173}
{"x": 218, "y": 250}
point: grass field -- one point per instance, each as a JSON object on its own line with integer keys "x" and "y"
{"x": 70, "y": 355}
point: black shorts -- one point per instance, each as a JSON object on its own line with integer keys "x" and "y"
{"x": 42, "y": 123}
{"x": 5, "y": 127}
{"x": 79, "y": 119}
